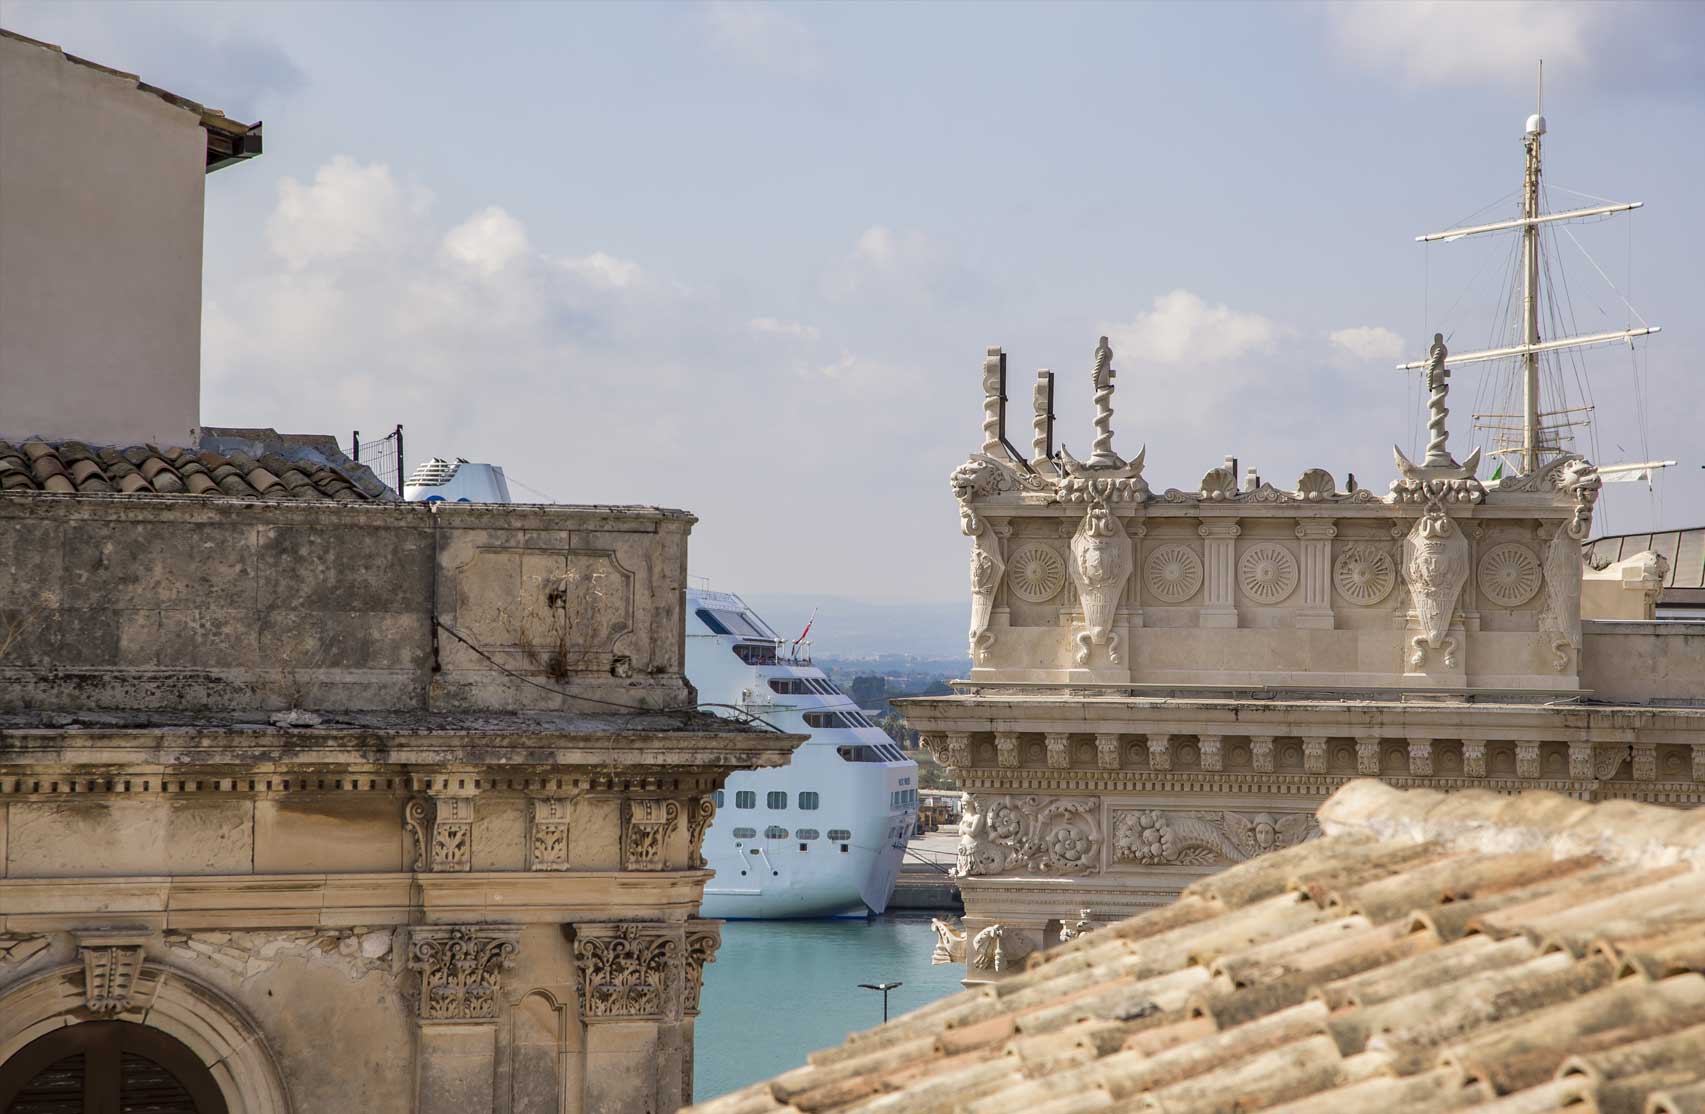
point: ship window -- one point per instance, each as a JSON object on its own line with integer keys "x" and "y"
{"x": 754, "y": 654}
{"x": 839, "y": 834}
{"x": 745, "y": 833}
{"x": 775, "y": 831}
{"x": 808, "y": 800}
{"x": 734, "y": 622}
{"x": 805, "y": 833}
{"x": 720, "y": 798}
{"x": 708, "y": 618}
{"x": 843, "y": 849}
{"x": 775, "y": 798}
{"x": 790, "y": 686}
{"x": 746, "y": 798}
{"x": 805, "y": 847}
{"x": 826, "y": 719}
{"x": 859, "y": 754}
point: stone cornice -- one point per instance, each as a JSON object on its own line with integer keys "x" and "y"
{"x": 46, "y": 782}
{"x": 1306, "y": 787}
{"x": 192, "y": 903}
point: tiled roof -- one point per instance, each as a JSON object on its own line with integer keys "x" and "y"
{"x": 71, "y": 467}
{"x": 1431, "y": 952}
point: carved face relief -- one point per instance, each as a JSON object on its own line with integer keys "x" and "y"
{"x": 1436, "y": 567}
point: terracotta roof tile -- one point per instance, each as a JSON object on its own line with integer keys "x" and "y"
{"x": 1469, "y": 952}
{"x": 71, "y": 467}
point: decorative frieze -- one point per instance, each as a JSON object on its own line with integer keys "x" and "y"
{"x": 703, "y": 938}
{"x": 629, "y": 972}
{"x": 461, "y": 968}
{"x": 442, "y": 827}
{"x": 1160, "y": 752}
{"x": 1203, "y": 838}
{"x": 111, "y": 963}
{"x": 1059, "y": 751}
{"x": 1107, "y": 751}
{"x": 647, "y": 823}
{"x": 1212, "y": 752}
{"x": 548, "y": 847}
{"x": 1060, "y": 835}
{"x": 1006, "y": 749}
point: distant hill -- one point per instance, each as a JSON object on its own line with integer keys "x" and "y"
{"x": 849, "y": 628}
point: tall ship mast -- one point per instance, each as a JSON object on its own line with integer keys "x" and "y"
{"x": 1530, "y": 369}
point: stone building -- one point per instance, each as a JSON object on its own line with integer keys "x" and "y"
{"x": 311, "y": 800}
{"x": 1470, "y": 952}
{"x": 1165, "y": 683}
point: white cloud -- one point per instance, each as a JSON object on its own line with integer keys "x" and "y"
{"x": 792, "y": 330}
{"x": 1438, "y": 42}
{"x": 1368, "y": 343}
{"x": 904, "y": 261}
{"x": 605, "y": 270}
{"x": 763, "y": 35}
{"x": 1184, "y": 329}
{"x": 488, "y": 241}
{"x": 348, "y": 210}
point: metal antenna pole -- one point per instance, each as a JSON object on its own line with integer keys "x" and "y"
{"x": 1530, "y": 290}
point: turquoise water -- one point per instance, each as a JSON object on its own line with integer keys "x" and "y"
{"x": 779, "y": 990}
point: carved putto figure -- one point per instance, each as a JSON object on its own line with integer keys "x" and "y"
{"x": 1101, "y": 563}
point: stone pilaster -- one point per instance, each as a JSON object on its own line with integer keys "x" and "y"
{"x": 461, "y": 970}
{"x": 1581, "y": 761}
{"x": 1219, "y": 572}
{"x": 1699, "y": 761}
{"x": 632, "y": 983}
{"x": 1527, "y": 759}
{"x": 1316, "y": 573}
{"x": 1645, "y": 761}
{"x": 959, "y": 749}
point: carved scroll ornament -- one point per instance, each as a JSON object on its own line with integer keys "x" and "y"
{"x": 646, "y": 826}
{"x": 1155, "y": 838}
{"x": 703, "y": 940}
{"x": 1435, "y": 563}
{"x": 1058, "y": 835}
{"x": 1101, "y": 563}
{"x": 460, "y": 970}
{"x": 627, "y": 971}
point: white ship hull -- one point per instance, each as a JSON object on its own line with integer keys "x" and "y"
{"x": 823, "y": 836}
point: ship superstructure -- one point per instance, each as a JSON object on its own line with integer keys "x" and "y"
{"x": 824, "y": 835}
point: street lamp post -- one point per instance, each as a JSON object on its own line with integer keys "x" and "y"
{"x": 884, "y": 987}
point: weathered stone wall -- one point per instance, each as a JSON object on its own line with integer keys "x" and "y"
{"x": 189, "y": 604}
{"x": 1634, "y": 662}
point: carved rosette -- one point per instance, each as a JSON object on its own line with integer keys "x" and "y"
{"x": 461, "y": 968}
{"x": 629, "y": 972}
{"x": 1173, "y": 573}
{"x": 703, "y": 938}
{"x": 700, "y": 813}
{"x": 1035, "y": 572}
{"x": 1102, "y": 556}
{"x": 111, "y": 964}
{"x": 1364, "y": 574}
{"x": 1157, "y": 838}
{"x": 1267, "y": 573}
{"x": 646, "y": 826}
{"x": 1509, "y": 574}
{"x": 1042, "y": 835}
{"x": 548, "y": 847}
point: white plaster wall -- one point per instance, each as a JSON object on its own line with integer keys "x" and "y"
{"x": 100, "y": 255}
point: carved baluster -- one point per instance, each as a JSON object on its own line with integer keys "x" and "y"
{"x": 1042, "y": 438}
{"x": 994, "y": 435}
{"x": 1314, "y": 754}
{"x": 1213, "y": 754}
{"x": 1160, "y": 752}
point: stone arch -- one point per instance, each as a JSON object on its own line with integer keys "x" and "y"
{"x": 226, "y": 1042}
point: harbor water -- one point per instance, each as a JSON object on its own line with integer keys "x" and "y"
{"x": 780, "y": 990}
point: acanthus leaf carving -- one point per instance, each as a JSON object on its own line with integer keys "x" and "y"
{"x": 646, "y": 826}
{"x": 111, "y": 965}
{"x": 1158, "y": 838}
{"x": 703, "y": 811}
{"x": 703, "y": 938}
{"x": 461, "y": 968}
{"x": 628, "y": 971}
{"x": 548, "y": 847}
{"x": 1043, "y": 835}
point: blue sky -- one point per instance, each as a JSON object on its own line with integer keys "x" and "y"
{"x": 745, "y": 259}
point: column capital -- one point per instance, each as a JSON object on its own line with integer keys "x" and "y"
{"x": 461, "y": 968}
{"x": 629, "y": 971}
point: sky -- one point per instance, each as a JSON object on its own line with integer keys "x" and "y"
{"x": 745, "y": 259}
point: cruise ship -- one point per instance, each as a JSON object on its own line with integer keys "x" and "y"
{"x": 820, "y": 837}
{"x": 824, "y": 835}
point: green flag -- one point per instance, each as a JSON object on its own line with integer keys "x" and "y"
{"x": 1498, "y": 472}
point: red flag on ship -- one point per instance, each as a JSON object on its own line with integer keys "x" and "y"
{"x": 807, "y": 629}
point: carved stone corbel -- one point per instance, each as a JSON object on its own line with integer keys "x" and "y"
{"x": 647, "y": 823}
{"x": 699, "y": 815}
{"x": 1314, "y": 754}
{"x": 1421, "y": 757}
{"x": 1367, "y": 755}
{"x": 1261, "y": 753}
{"x": 1213, "y": 753}
{"x": 1160, "y": 752}
{"x": 461, "y": 968}
{"x": 1107, "y": 751}
{"x": 703, "y": 938}
{"x": 1474, "y": 757}
{"x": 1527, "y": 759}
{"x": 629, "y": 972}
{"x": 1059, "y": 750}
{"x": 547, "y": 847}
{"x": 442, "y": 827}
{"x": 111, "y": 963}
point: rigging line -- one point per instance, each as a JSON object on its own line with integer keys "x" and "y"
{"x": 1464, "y": 220}
{"x": 1577, "y": 360}
{"x": 524, "y": 679}
{"x": 1606, "y": 278}
{"x": 530, "y": 487}
{"x": 1582, "y": 193}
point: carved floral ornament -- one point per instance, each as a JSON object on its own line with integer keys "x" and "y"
{"x": 1157, "y": 838}
{"x": 1173, "y": 573}
{"x": 1509, "y": 574}
{"x": 628, "y": 971}
{"x": 461, "y": 968}
{"x": 703, "y": 939}
{"x": 1364, "y": 574}
{"x": 1043, "y": 835}
{"x": 1035, "y": 572}
{"x": 1267, "y": 573}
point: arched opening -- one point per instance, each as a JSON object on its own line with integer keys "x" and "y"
{"x": 107, "y": 1067}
